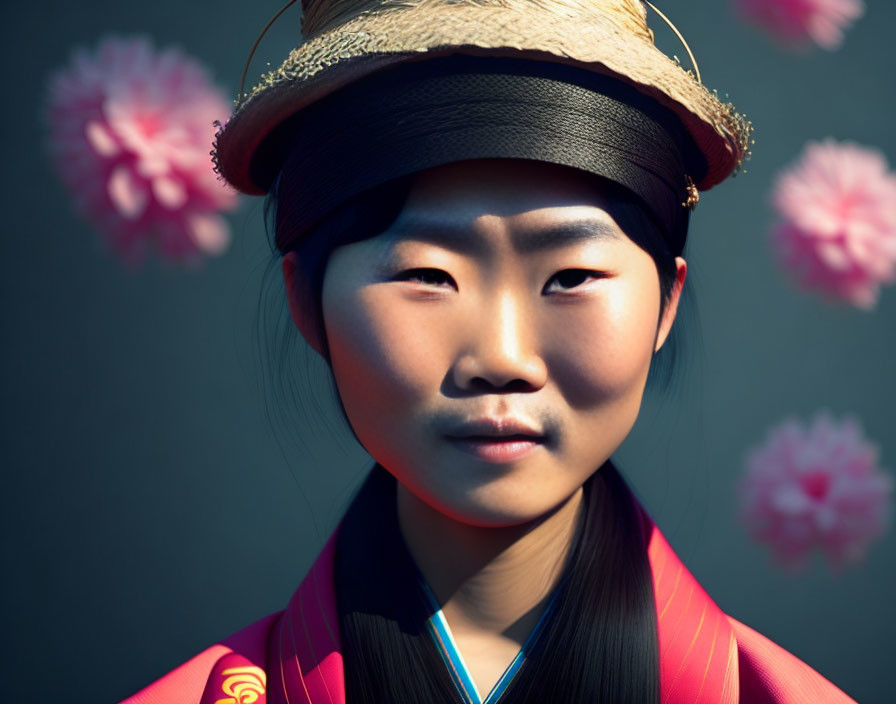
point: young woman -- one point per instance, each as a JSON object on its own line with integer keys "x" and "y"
{"x": 482, "y": 210}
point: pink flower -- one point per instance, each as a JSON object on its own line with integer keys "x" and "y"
{"x": 130, "y": 131}
{"x": 838, "y": 233}
{"x": 797, "y": 22}
{"x": 815, "y": 486}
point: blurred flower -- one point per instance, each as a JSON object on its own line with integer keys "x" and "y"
{"x": 816, "y": 485}
{"x": 797, "y": 22}
{"x": 130, "y": 131}
{"x": 838, "y": 234}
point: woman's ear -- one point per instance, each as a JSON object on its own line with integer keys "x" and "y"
{"x": 300, "y": 304}
{"x": 681, "y": 273}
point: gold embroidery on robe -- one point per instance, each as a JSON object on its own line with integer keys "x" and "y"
{"x": 245, "y": 685}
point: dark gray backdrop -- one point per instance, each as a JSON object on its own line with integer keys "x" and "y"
{"x": 149, "y": 509}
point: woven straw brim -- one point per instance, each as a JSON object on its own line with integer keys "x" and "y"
{"x": 369, "y": 42}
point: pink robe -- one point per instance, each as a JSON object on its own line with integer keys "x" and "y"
{"x": 293, "y": 656}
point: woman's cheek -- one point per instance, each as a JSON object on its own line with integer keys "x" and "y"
{"x": 602, "y": 349}
{"x": 413, "y": 336}
{"x": 387, "y": 368}
{"x": 385, "y": 345}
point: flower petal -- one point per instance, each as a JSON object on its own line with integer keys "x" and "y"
{"x": 210, "y": 232}
{"x": 128, "y": 194}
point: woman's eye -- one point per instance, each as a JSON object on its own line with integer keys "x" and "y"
{"x": 569, "y": 279}
{"x": 430, "y": 277}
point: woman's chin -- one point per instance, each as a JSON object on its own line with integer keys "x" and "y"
{"x": 499, "y": 504}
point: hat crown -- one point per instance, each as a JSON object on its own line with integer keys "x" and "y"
{"x": 630, "y": 16}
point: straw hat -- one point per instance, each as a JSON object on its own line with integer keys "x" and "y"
{"x": 345, "y": 40}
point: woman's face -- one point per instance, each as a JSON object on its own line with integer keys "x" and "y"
{"x": 491, "y": 348}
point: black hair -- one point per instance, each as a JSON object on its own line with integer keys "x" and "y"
{"x": 600, "y": 645}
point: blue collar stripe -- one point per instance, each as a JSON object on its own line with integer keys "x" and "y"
{"x": 457, "y": 668}
{"x": 460, "y": 673}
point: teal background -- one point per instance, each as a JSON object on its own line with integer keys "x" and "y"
{"x": 149, "y": 506}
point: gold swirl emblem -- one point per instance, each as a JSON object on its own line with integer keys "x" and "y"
{"x": 243, "y": 686}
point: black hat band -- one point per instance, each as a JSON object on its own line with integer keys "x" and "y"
{"x": 422, "y": 114}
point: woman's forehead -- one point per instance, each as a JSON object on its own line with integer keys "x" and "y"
{"x": 530, "y": 232}
{"x": 536, "y": 203}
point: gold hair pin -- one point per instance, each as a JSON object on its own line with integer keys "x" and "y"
{"x": 693, "y": 194}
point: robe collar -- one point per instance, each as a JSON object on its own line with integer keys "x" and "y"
{"x": 697, "y": 645}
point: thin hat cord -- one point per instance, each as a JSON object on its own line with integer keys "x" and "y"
{"x": 680, "y": 38}
{"x": 239, "y": 97}
{"x": 293, "y": 2}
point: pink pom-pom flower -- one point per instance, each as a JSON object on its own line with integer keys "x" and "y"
{"x": 837, "y": 235}
{"x": 797, "y": 23}
{"x": 130, "y": 131}
{"x": 815, "y": 486}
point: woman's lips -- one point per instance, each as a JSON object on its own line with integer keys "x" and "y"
{"x": 498, "y": 448}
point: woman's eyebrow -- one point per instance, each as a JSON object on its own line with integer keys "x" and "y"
{"x": 462, "y": 238}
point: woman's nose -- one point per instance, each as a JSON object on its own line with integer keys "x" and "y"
{"x": 500, "y": 349}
